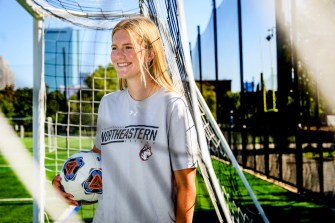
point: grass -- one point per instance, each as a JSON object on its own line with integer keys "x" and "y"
{"x": 19, "y": 211}
{"x": 279, "y": 204}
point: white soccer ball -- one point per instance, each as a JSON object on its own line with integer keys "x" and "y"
{"x": 81, "y": 176}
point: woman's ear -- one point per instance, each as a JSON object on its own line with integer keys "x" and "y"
{"x": 151, "y": 55}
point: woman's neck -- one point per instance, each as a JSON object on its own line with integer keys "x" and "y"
{"x": 139, "y": 92}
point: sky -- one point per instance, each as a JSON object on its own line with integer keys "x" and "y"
{"x": 16, "y": 36}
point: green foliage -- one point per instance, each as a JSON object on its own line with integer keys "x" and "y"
{"x": 17, "y": 105}
{"x": 231, "y": 107}
{"x": 23, "y": 102}
{"x": 231, "y": 103}
{"x": 7, "y": 108}
{"x": 208, "y": 93}
{"x": 7, "y": 96}
{"x": 102, "y": 81}
{"x": 103, "y": 78}
{"x": 55, "y": 102}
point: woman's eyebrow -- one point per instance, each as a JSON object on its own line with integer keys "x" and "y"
{"x": 123, "y": 44}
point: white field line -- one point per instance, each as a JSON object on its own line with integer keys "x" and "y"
{"x": 15, "y": 199}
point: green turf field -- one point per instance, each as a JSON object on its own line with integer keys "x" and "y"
{"x": 279, "y": 204}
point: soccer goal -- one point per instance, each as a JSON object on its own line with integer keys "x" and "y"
{"x": 75, "y": 73}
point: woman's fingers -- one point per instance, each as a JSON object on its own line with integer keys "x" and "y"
{"x": 68, "y": 197}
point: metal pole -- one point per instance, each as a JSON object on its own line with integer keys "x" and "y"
{"x": 38, "y": 119}
{"x": 239, "y": 11}
{"x": 200, "y": 65}
{"x": 299, "y": 158}
{"x": 218, "y": 118}
{"x": 64, "y": 73}
{"x": 269, "y": 38}
{"x": 242, "y": 93}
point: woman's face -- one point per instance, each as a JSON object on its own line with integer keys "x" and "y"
{"x": 125, "y": 56}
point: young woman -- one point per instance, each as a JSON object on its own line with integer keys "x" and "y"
{"x": 145, "y": 134}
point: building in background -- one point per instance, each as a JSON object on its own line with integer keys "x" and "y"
{"x": 6, "y": 75}
{"x": 62, "y": 60}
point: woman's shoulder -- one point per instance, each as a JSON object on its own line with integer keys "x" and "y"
{"x": 171, "y": 94}
{"x": 115, "y": 95}
{"x": 174, "y": 98}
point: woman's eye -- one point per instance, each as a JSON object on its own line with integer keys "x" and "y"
{"x": 129, "y": 47}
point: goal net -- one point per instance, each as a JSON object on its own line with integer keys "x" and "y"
{"x": 77, "y": 73}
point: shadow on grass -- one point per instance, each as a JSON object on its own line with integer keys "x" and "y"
{"x": 283, "y": 206}
{"x": 291, "y": 214}
{"x": 203, "y": 216}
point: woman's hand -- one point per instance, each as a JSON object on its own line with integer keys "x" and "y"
{"x": 58, "y": 187}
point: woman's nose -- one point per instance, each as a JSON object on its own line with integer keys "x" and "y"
{"x": 117, "y": 53}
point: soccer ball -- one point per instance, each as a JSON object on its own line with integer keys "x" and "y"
{"x": 81, "y": 176}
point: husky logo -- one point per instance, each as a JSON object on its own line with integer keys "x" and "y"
{"x": 145, "y": 152}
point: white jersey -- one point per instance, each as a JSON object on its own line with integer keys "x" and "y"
{"x": 142, "y": 143}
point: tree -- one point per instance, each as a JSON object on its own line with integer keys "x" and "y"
{"x": 208, "y": 93}
{"x": 56, "y": 102}
{"x": 17, "y": 105}
{"x": 23, "y": 104}
{"x": 7, "y": 96}
{"x": 232, "y": 105}
{"x": 103, "y": 79}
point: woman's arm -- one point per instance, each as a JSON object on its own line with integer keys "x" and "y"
{"x": 186, "y": 193}
{"x": 96, "y": 149}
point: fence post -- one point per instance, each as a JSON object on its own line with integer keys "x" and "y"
{"x": 244, "y": 147}
{"x": 21, "y": 131}
{"x": 320, "y": 164}
{"x": 299, "y": 160}
{"x": 266, "y": 153}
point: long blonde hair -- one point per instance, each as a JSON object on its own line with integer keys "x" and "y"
{"x": 144, "y": 32}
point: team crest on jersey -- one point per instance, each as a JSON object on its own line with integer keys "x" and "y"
{"x": 145, "y": 152}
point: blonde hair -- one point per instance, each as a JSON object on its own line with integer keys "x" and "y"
{"x": 143, "y": 32}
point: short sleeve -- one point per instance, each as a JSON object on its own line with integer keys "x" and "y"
{"x": 99, "y": 125}
{"x": 182, "y": 136}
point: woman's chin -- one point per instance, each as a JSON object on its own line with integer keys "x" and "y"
{"x": 121, "y": 75}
